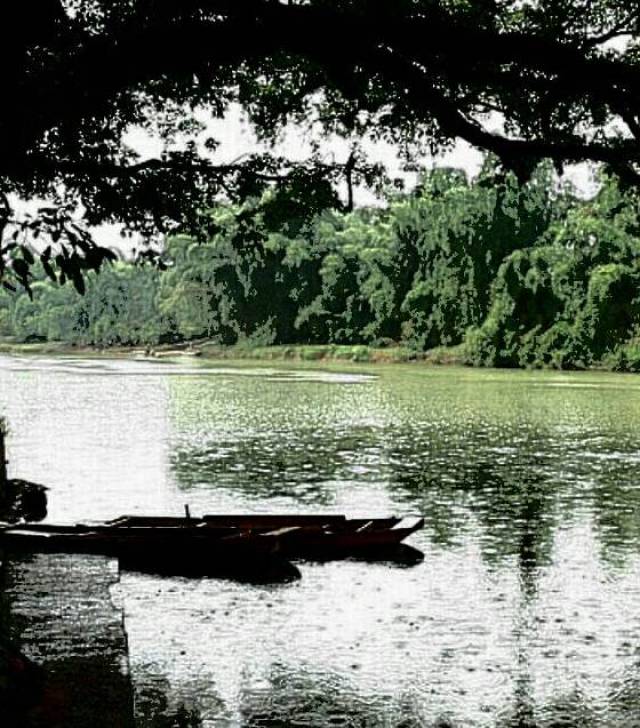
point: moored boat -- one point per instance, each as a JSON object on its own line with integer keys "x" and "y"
{"x": 222, "y": 552}
{"x": 224, "y": 543}
{"x": 313, "y": 536}
{"x": 373, "y": 538}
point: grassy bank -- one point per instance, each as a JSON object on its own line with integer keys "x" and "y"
{"x": 334, "y": 352}
{"x": 209, "y": 350}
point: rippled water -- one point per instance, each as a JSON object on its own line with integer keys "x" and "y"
{"x": 524, "y": 612}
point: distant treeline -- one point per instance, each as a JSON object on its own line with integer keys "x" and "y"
{"x": 523, "y": 276}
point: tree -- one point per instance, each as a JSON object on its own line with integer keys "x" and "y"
{"x": 79, "y": 74}
{"x": 461, "y": 233}
{"x": 571, "y": 299}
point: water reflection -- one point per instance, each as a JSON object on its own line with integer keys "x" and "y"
{"x": 519, "y": 478}
{"x": 511, "y": 472}
{"x": 507, "y": 493}
{"x": 307, "y": 700}
{"x": 576, "y": 710}
{"x": 301, "y": 466}
{"x": 154, "y": 709}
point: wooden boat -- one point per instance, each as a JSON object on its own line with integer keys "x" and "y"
{"x": 396, "y": 529}
{"x": 164, "y": 550}
{"x": 361, "y": 538}
{"x": 310, "y": 536}
{"x": 223, "y": 543}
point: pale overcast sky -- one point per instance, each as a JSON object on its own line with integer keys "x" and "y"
{"x": 236, "y": 138}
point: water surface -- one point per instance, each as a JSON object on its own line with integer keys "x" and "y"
{"x": 523, "y": 613}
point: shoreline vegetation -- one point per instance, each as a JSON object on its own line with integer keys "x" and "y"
{"x": 328, "y": 354}
{"x": 482, "y": 272}
{"x": 207, "y": 350}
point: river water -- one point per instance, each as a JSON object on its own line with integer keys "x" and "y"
{"x": 524, "y": 612}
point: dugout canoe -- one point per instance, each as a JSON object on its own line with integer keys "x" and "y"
{"x": 316, "y": 536}
{"x": 161, "y": 550}
{"x": 221, "y": 538}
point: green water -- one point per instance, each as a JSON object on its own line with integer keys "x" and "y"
{"x": 524, "y": 611}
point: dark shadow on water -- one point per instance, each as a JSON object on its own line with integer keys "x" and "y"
{"x": 22, "y": 685}
{"x": 57, "y": 611}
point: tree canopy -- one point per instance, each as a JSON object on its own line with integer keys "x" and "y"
{"x": 559, "y": 77}
{"x": 508, "y": 274}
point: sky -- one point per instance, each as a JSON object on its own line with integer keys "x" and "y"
{"x": 236, "y": 139}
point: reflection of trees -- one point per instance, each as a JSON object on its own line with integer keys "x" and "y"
{"x": 153, "y": 710}
{"x": 479, "y": 446}
{"x": 518, "y": 495}
{"x": 513, "y": 494}
{"x": 517, "y": 481}
{"x": 624, "y": 702}
{"x": 452, "y": 476}
{"x": 518, "y": 484}
{"x": 616, "y": 507}
{"x": 509, "y": 485}
{"x": 574, "y": 710}
{"x": 570, "y": 711}
{"x": 307, "y": 699}
{"x": 301, "y": 467}
{"x": 312, "y": 700}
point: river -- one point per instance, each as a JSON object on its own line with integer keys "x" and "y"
{"x": 523, "y": 613}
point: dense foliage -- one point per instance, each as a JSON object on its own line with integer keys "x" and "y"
{"x": 572, "y": 299}
{"x": 80, "y": 75}
{"x": 523, "y": 275}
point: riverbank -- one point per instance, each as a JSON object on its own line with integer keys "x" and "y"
{"x": 207, "y": 350}
{"x": 454, "y": 356}
{"x": 337, "y": 353}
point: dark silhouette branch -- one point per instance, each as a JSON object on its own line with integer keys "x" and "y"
{"x": 406, "y": 71}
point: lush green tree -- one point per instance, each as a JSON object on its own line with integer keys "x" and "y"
{"x": 253, "y": 275}
{"x": 344, "y": 309}
{"x": 528, "y": 299}
{"x": 80, "y": 74}
{"x": 611, "y": 312}
{"x": 571, "y": 300}
{"x": 534, "y": 276}
{"x": 453, "y": 235}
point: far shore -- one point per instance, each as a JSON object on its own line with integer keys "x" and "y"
{"x": 207, "y": 350}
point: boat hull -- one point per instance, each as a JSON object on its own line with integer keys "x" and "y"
{"x": 215, "y": 545}
{"x": 253, "y": 558}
